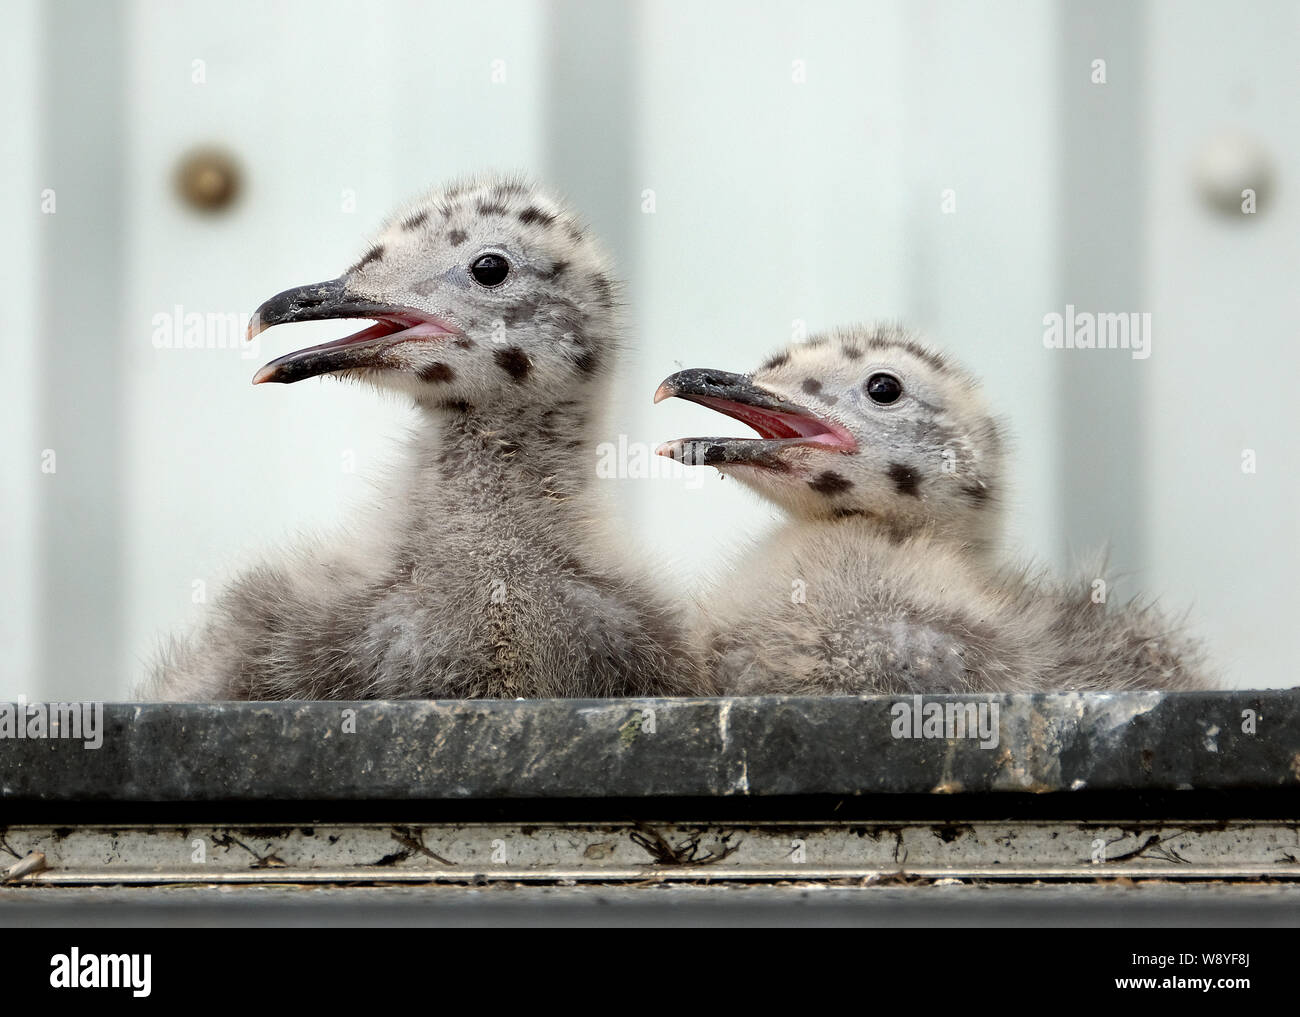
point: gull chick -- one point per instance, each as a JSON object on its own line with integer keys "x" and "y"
{"x": 488, "y": 569}
{"x": 885, "y": 578}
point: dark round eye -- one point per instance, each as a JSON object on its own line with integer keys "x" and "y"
{"x": 490, "y": 270}
{"x": 883, "y": 388}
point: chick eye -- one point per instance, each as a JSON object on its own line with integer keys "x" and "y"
{"x": 490, "y": 270}
{"x": 883, "y": 388}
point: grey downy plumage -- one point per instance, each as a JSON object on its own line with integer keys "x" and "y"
{"x": 886, "y": 578}
{"x": 488, "y": 568}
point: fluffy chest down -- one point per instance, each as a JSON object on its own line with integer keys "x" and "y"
{"x": 520, "y": 622}
{"x": 821, "y": 613}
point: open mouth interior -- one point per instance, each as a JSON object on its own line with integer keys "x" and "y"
{"x": 775, "y": 424}
{"x": 388, "y": 330}
{"x": 776, "y": 429}
{"x": 401, "y": 324}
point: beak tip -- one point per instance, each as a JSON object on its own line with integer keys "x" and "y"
{"x": 664, "y": 391}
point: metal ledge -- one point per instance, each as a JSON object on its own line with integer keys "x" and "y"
{"x": 407, "y": 751}
{"x": 1187, "y": 787}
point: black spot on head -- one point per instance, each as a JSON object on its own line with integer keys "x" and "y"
{"x": 532, "y": 214}
{"x": 575, "y": 234}
{"x": 830, "y": 483}
{"x": 586, "y": 361}
{"x": 853, "y": 352}
{"x": 897, "y": 534}
{"x": 457, "y": 237}
{"x": 811, "y": 386}
{"x": 777, "y": 361}
{"x": 414, "y": 222}
{"x": 525, "y": 310}
{"x": 463, "y": 342}
{"x": 921, "y": 353}
{"x": 850, "y": 513}
{"x": 490, "y": 208}
{"x": 514, "y": 362}
{"x": 557, "y": 270}
{"x": 906, "y": 480}
{"x": 436, "y": 372}
{"x": 374, "y": 254}
{"x": 979, "y": 494}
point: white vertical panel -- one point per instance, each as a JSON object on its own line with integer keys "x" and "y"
{"x": 821, "y": 201}
{"x": 314, "y": 98}
{"x": 774, "y": 201}
{"x": 978, "y": 118}
{"x": 1101, "y": 158}
{"x": 20, "y": 448}
{"x": 1225, "y": 357}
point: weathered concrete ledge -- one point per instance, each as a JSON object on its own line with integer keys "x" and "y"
{"x": 664, "y": 748}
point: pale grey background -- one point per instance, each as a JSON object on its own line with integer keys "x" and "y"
{"x": 775, "y": 201}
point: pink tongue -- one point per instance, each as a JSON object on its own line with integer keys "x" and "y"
{"x": 375, "y": 331}
{"x": 383, "y": 329}
{"x": 768, "y": 423}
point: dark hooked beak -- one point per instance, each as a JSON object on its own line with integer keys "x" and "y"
{"x": 701, "y": 385}
{"x": 328, "y": 300}
{"x": 780, "y": 422}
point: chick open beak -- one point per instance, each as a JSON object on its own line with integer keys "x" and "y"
{"x": 369, "y": 348}
{"x": 781, "y": 423}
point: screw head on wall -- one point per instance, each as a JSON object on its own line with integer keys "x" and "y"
{"x": 208, "y": 179}
{"x": 1229, "y": 164}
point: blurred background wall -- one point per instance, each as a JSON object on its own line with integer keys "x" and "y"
{"x": 759, "y": 169}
